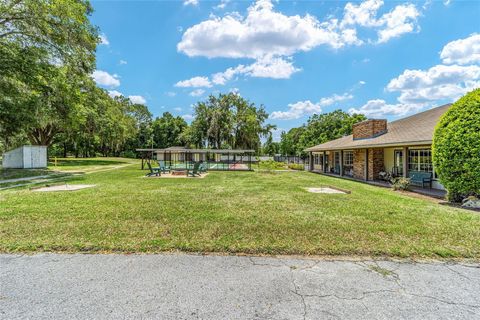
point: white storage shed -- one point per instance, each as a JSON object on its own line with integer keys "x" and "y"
{"x": 26, "y": 157}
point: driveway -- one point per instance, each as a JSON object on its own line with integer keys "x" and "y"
{"x": 180, "y": 286}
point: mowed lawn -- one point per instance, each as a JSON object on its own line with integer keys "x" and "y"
{"x": 233, "y": 212}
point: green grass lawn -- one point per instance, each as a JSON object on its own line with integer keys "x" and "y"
{"x": 242, "y": 212}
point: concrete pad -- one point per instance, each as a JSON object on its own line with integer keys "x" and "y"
{"x": 63, "y": 187}
{"x": 325, "y": 190}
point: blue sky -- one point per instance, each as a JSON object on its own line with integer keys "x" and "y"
{"x": 384, "y": 59}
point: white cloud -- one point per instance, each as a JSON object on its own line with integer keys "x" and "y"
{"x": 104, "y": 39}
{"x": 197, "y": 92}
{"x": 221, "y": 5}
{"x": 178, "y": 109}
{"x": 268, "y": 67}
{"x": 171, "y": 93}
{"x": 195, "y": 82}
{"x": 440, "y": 82}
{"x": 114, "y": 93}
{"x": 122, "y": 62}
{"x": 105, "y": 79}
{"x": 137, "y": 99}
{"x": 462, "y": 51}
{"x": 262, "y": 32}
{"x": 379, "y": 108}
{"x": 188, "y": 117}
{"x": 272, "y": 38}
{"x": 402, "y": 19}
{"x": 190, "y": 2}
{"x": 363, "y": 14}
{"x": 302, "y": 108}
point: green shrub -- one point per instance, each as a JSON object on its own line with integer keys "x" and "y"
{"x": 271, "y": 165}
{"x": 400, "y": 183}
{"x": 456, "y": 148}
{"x": 296, "y": 166}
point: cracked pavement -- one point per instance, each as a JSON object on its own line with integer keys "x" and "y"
{"x": 182, "y": 286}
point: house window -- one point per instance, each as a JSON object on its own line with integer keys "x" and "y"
{"x": 420, "y": 160}
{"x": 348, "y": 163}
{"x": 316, "y": 159}
{"x": 348, "y": 158}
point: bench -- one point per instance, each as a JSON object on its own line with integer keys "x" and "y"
{"x": 420, "y": 178}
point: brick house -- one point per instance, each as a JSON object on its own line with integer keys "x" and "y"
{"x": 377, "y": 146}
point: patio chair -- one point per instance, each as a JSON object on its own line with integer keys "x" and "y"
{"x": 163, "y": 168}
{"x": 153, "y": 171}
{"x": 194, "y": 172}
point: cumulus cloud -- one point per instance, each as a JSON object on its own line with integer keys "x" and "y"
{"x": 437, "y": 83}
{"x": 302, "y": 108}
{"x": 195, "y": 82}
{"x": 462, "y": 51}
{"x": 190, "y": 2}
{"x": 271, "y": 38}
{"x": 137, "y": 99}
{"x": 122, "y": 62}
{"x": 379, "y": 108}
{"x": 104, "y": 39}
{"x": 441, "y": 83}
{"x": 262, "y": 32}
{"x": 221, "y": 5}
{"x": 197, "y": 92}
{"x": 401, "y": 20}
{"x": 268, "y": 67}
{"x": 114, "y": 93}
{"x": 105, "y": 79}
{"x": 188, "y": 117}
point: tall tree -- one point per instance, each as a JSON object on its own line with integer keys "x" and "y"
{"x": 229, "y": 121}
{"x": 167, "y": 131}
{"x": 38, "y": 39}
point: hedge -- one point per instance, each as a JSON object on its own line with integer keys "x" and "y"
{"x": 456, "y": 148}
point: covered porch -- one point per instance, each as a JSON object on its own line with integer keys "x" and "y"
{"x": 369, "y": 164}
{"x": 429, "y": 192}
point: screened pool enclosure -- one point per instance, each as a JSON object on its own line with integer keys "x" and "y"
{"x": 214, "y": 159}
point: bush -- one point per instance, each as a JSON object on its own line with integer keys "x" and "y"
{"x": 296, "y": 166}
{"x": 400, "y": 183}
{"x": 270, "y": 165}
{"x": 456, "y": 148}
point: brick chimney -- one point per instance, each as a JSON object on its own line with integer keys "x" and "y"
{"x": 370, "y": 128}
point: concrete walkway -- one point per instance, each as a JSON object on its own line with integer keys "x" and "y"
{"x": 179, "y": 286}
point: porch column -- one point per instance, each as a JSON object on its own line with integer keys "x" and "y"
{"x": 366, "y": 165}
{"x": 310, "y": 160}
{"x": 341, "y": 162}
{"x": 405, "y": 162}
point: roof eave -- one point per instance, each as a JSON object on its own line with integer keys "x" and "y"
{"x": 381, "y": 145}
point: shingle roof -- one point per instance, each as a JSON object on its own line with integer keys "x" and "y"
{"x": 413, "y": 130}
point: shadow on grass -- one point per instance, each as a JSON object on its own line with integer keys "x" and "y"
{"x": 52, "y": 179}
{"x": 84, "y": 162}
{"x": 6, "y": 174}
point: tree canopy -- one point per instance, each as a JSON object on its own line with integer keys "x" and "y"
{"x": 319, "y": 128}
{"x": 229, "y": 121}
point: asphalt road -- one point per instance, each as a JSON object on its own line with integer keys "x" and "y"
{"x": 180, "y": 286}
